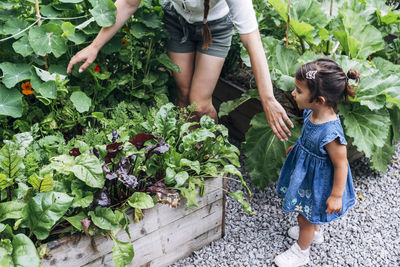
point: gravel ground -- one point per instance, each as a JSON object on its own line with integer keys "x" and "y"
{"x": 368, "y": 235}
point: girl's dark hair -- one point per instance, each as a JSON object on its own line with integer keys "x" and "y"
{"x": 329, "y": 80}
{"x": 207, "y": 39}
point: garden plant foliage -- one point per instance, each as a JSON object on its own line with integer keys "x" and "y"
{"x": 87, "y": 184}
{"x": 78, "y": 151}
{"x": 366, "y": 34}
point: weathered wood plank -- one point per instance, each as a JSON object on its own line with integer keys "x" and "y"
{"x": 175, "y": 240}
{"x": 78, "y": 251}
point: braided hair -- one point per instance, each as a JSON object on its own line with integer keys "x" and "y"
{"x": 207, "y": 38}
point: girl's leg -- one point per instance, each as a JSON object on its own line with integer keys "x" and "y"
{"x": 183, "y": 79}
{"x": 206, "y": 73}
{"x": 306, "y": 234}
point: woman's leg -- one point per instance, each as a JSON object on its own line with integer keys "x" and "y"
{"x": 183, "y": 79}
{"x": 206, "y": 73}
{"x": 306, "y": 234}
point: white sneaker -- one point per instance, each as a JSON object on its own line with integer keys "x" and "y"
{"x": 293, "y": 232}
{"x": 293, "y": 257}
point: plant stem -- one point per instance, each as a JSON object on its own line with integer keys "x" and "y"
{"x": 287, "y": 25}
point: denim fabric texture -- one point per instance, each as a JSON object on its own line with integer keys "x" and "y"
{"x": 306, "y": 178}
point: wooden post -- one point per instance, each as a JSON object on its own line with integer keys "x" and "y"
{"x": 38, "y": 12}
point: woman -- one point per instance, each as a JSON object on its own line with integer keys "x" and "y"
{"x": 201, "y": 33}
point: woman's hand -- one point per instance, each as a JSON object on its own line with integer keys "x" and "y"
{"x": 334, "y": 205}
{"x": 277, "y": 117}
{"x": 86, "y": 55}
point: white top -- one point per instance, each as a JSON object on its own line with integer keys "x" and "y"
{"x": 242, "y": 12}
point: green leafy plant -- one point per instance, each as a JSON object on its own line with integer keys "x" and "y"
{"x": 351, "y": 39}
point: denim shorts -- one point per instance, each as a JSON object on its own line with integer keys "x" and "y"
{"x": 187, "y": 37}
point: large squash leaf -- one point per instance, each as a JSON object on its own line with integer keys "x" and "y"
{"x": 383, "y": 156}
{"x": 264, "y": 152}
{"x": 368, "y": 128}
{"x": 306, "y": 17}
{"x": 375, "y": 91}
{"x": 44, "y": 210}
{"x": 24, "y": 252}
{"x": 358, "y": 38}
{"x": 283, "y": 66}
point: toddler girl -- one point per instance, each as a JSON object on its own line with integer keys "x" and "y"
{"x": 315, "y": 180}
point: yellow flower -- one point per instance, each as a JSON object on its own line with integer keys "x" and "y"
{"x": 27, "y": 88}
{"x": 299, "y": 208}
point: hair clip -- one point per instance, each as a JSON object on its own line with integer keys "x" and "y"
{"x": 310, "y": 75}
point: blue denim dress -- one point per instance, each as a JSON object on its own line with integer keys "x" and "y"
{"x": 306, "y": 178}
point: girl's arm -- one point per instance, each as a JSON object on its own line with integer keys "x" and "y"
{"x": 275, "y": 113}
{"x": 338, "y": 155}
{"x": 125, "y": 9}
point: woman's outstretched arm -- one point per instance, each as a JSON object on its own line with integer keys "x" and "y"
{"x": 274, "y": 111}
{"x": 125, "y": 9}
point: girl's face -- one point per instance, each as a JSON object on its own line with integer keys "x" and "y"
{"x": 302, "y": 94}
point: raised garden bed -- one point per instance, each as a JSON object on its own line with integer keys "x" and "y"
{"x": 163, "y": 236}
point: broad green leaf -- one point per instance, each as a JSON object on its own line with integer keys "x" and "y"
{"x": 43, "y": 211}
{"x": 138, "y": 30}
{"x": 165, "y": 120}
{"x": 238, "y": 196}
{"x": 76, "y": 220}
{"x": 227, "y": 107}
{"x": 87, "y": 168}
{"x": 6, "y": 250}
{"x": 283, "y": 67}
{"x": 375, "y": 91}
{"x": 151, "y": 20}
{"x": 62, "y": 164}
{"x": 122, "y": 252}
{"x": 385, "y": 66}
{"x": 368, "y": 128}
{"x": 11, "y": 210}
{"x": 11, "y": 160}
{"x": 23, "y": 47}
{"x": 194, "y": 165}
{"x": 68, "y": 29}
{"x": 5, "y": 181}
{"x": 199, "y": 135}
{"x": 169, "y": 176}
{"x": 105, "y": 218}
{"x": 10, "y": 102}
{"x": 103, "y": 12}
{"x": 382, "y": 156}
{"x": 71, "y": 1}
{"x": 24, "y": 252}
{"x": 47, "y": 39}
{"x": 181, "y": 178}
{"x": 358, "y": 38}
{"x": 166, "y": 61}
{"x": 81, "y": 101}
{"x": 190, "y": 194}
{"x": 48, "y": 89}
{"x": 141, "y": 200}
{"x": 264, "y": 152}
{"x": 48, "y": 76}
{"x": 395, "y": 118}
{"x": 44, "y": 184}
{"x": 14, "y": 73}
{"x": 14, "y": 26}
{"x": 306, "y": 17}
